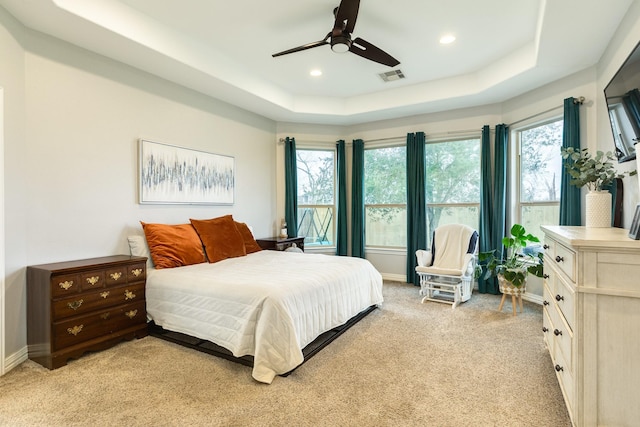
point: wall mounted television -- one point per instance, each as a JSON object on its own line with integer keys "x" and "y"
{"x": 623, "y": 102}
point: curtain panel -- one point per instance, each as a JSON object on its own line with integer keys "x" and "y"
{"x": 357, "y": 200}
{"x": 341, "y": 223}
{"x": 485, "y": 243}
{"x": 290, "y": 187}
{"x": 416, "y": 203}
{"x": 570, "y": 204}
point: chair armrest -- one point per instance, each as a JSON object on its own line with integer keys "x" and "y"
{"x": 424, "y": 258}
{"x": 469, "y": 264}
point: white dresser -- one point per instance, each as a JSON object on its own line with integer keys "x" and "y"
{"x": 591, "y": 322}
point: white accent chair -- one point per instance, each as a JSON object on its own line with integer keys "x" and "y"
{"x": 446, "y": 271}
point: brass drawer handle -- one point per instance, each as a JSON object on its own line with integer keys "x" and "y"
{"x": 104, "y": 294}
{"x": 136, "y": 271}
{"x": 131, "y": 314}
{"x": 75, "y": 304}
{"x": 129, "y": 295}
{"x": 66, "y": 285}
{"x": 93, "y": 280}
{"x": 116, "y": 276}
{"x": 75, "y": 330}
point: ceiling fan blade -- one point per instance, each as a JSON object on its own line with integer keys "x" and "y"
{"x": 304, "y": 47}
{"x": 347, "y": 11}
{"x": 367, "y": 50}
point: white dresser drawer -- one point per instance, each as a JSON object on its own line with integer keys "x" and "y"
{"x": 564, "y": 297}
{"x": 565, "y": 259}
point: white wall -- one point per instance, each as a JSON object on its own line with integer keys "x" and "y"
{"x": 71, "y": 158}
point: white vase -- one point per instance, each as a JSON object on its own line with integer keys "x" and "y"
{"x": 598, "y": 209}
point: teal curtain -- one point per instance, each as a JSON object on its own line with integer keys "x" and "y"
{"x": 499, "y": 215}
{"x": 290, "y": 187}
{"x": 570, "y": 194}
{"x": 493, "y": 205}
{"x": 357, "y": 200}
{"x": 485, "y": 243}
{"x": 416, "y": 204}
{"x": 341, "y": 222}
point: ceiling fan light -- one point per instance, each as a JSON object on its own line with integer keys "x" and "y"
{"x": 340, "y": 44}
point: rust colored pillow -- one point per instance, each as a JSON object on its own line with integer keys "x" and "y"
{"x": 173, "y": 245}
{"x": 220, "y": 237}
{"x": 250, "y": 244}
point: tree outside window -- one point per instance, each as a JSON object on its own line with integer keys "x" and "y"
{"x": 452, "y": 184}
{"x": 540, "y": 175}
{"x": 316, "y": 196}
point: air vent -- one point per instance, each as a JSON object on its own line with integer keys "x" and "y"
{"x": 391, "y": 76}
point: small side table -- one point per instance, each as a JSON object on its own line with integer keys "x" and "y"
{"x": 280, "y": 243}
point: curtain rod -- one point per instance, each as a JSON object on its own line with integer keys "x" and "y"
{"x": 579, "y": 100}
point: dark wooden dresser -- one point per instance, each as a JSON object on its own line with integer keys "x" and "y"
{"x": 84, "y": 305}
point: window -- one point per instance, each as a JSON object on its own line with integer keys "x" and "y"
{"x": 316, "y": 196}
{"x": 452, "y": 184}
{"x": 385, "y": 197}
{"x": 540, "y": 167}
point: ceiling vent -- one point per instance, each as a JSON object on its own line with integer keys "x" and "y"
{"x": 391, "y": 76}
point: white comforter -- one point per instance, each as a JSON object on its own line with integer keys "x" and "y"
{"x": 267, "y": 304}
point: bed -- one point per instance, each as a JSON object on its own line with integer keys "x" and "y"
{"x": 269, "y": 305}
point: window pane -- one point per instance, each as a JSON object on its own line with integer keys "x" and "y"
{"x": 316, "y": 189}
{"x": 315, "y": 177}
{"x": 533, "y": 216}
{"x": 386, "y": 226}
{"x": 541, "y": 163}
{"x": 316, "y": 225}
{"x": 385, "y": 181}
{"x": 437, "y": 216}
{"x": 453, "y": 172}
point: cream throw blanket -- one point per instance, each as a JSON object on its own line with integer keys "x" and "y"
{"x": 451, "y": 243}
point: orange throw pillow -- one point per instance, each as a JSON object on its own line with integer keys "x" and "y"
{"x": 250, "y": 244}
{"x": 173, "y": 245}
{"x": 220, "y": 237}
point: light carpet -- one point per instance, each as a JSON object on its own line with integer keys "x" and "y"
{"x": 405, "y": 364}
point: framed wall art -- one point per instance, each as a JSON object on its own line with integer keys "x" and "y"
{"x": 176, "y": 175}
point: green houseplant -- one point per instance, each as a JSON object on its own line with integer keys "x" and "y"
{"x": 596, "y": 173}
{"x": 516, "y": 263}
{"x": 593, "y": 172}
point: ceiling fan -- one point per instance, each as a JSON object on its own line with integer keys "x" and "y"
{"x": 340, "y": 37}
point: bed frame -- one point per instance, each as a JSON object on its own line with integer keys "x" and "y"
{"x": 208, "y": 347}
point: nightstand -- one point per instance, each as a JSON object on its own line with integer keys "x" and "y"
{"x": 280, "y": 243}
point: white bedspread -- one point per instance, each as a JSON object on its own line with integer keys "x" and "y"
{"x": 267, "y": 304}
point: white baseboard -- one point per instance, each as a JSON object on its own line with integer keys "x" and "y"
{"x": 394, "y": 277}
{"x": 15, "y": 359}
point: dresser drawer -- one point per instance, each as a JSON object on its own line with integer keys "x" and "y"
{"x": 137, "y": 272}
{"x": 564, "y": 296}
{"x": 566, "y": 381}
{"x": 86, "y": 302}
{"x": 92, "y": 280}
{"x": 82, "y": 328}
{"x": 116, "y": 276}
{"x": 65, "y": 285}
{"x": 565, "y": 259}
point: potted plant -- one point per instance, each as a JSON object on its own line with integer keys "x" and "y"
{"x": 595, "y": 173}
{"x": 512, "y": 269}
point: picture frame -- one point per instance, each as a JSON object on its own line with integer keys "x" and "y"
{"x": 169, "y": 174}
{"x": 634, "y": 231}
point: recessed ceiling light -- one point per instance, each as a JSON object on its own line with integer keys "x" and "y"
{"x": 447, "y": 39}
{"x": 315, "y": 73}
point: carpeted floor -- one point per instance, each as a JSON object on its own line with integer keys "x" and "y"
{"x": 406, "y": 364}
